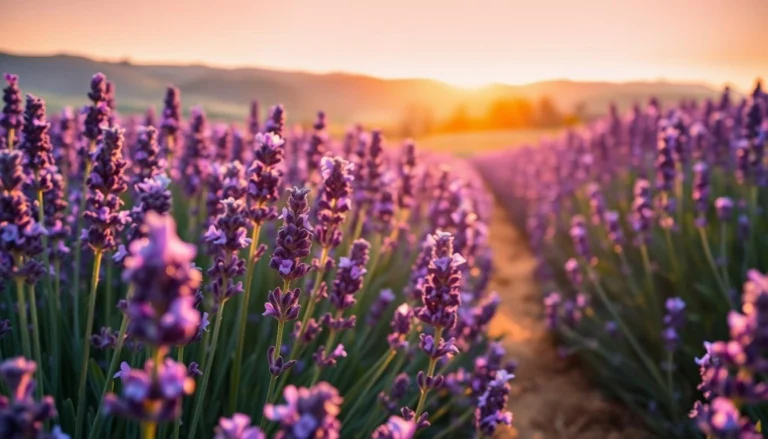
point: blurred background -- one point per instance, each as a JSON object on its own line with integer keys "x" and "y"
{"x": 460, "y": 75}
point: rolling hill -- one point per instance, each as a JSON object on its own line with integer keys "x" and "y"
{"x": 63, "y": 80}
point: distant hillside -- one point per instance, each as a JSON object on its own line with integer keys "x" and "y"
{"x": 63, "y": 80}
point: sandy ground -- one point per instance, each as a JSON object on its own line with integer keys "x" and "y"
{"x": 551, "y": 398}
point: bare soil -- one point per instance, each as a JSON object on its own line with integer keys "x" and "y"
{"x": 551, "y": 398}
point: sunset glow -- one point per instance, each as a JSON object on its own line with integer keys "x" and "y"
{"x": 465, "y": 43}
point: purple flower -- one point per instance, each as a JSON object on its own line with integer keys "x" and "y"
{"x": 162, "y": 309}
{"x": 316, "y": 147}
{"x": 11, "y": 119}
{"x": 396, "y": 393}
{"x": 106, "y": 183}
{"x": 328, "y": 359}
{"x": 721, "y": 419}
{"x": 307, "y": 412}
{"x": 350, "y": 275}
{"x": 151, "y": 394}
{"x": 237, "y": 427}
{"x": 20, "y": 415}
{"x": 276, "y": 122}
{"x": 105, "y": 339}
{"x": 395, "y": 428}
{"x": 225, "y": 238}
{"x": 152, "y": 195}
{"x": 491, "y": 406}
{"x": 36, "y": 144}
{"x": 407, "y": 171}
{"x": 264, "y": 178}
{"x": 223, "y": 139}
{"x": 19, "y": 233}
{"x": 254, "y": 118}
{"x": 334, "y": 201}
{"x": 283, "y": 306}
{"x": 5, "y": 327}
{"x": 147, "y": 162}
{"x": 294, "y": 239}
{"x": 55, "y": 207}
{"x": 193, "y": 165}
{"x": 642, "y": 209}
{"x": 170, "y": 122}
{"x": 382, "y": 302}
{"x": 225, "y": 181}
{"x": 440, "y": 292}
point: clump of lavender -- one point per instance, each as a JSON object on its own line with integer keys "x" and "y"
{"x": 55, "y": 222}
{"x": 276, "y": 121}
{"x": 106, "y": 182}
{"x": 440, "y": 302}
{"x": 316, "y": 147}
{"x": 64, "y": 141}
{"x": 193, "y": 163}
{"x": 20, "y": 415}
{"x": 11, "y": 118}
{"x": 294, "y": 239}
{"x": 700, "y": 194}
{"x": 152, "y": 394}
{"x": 264, "y": 178}
{"x": 152, "y": 195}
{"x": 147, "y": 162}
{"x": 225, "y": 238}
{"x": 21, "y": 235}
{"x": 395, "y": 428}
{"x": 97, "y": 114}
{"x": 159, "y": 267}
{"x": 307, "y": 412}
{"x": 334, "y": 202}
{"x": 223, "y": 139}
{"x": 237, "y": 427}
{"x": 227, "y": 180}
{"x": 492, "y": 405}
{"x": 349, "y": 277}
{"x": 36, "y": 144}
{"x": 170, "y": 122}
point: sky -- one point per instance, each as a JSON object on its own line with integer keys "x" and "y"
{"x": 464, "y": 42}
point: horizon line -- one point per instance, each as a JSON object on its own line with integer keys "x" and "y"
{"x": 199, "y": 63}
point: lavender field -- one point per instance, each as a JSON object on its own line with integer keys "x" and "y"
{"x": 415, "y": 219}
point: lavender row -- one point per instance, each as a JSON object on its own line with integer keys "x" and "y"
{"x": 182, "y": 278}
{"x": 645, "y": 225}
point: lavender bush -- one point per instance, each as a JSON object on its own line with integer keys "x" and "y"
{"x": 645, "y": 226}
{"x": 198, "y": 280}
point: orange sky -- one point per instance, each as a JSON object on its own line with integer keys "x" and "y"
{"x": 465, "y": 42}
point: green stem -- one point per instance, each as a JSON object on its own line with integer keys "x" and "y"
{"x": 273, "y": 378}
{"x": 87, "y": 345}
{"x": 11, "y": 134}
{"x": 456, "y": 424}
{"x": 713, "y": 265}
{"x": 369, "y": 381}
{"x": 78, "y": 245}
{"x": 649, "y": 364}
{"x": 148, "y": 430}
{"x": 53, "y": 301}
{"x": 723, "y": 255}
{"x": 208, "y": 367}
{"x": 430, "y": 372}
{"x": 26, "y": 346}
{"x": 99, "y": 420}
{"x": 234, "y": 382}
{"x": 177, "y": 422}
{"x": 108, "y": 306}
{"x": 36, "y": 338}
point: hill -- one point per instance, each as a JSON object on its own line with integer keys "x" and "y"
{"x": 63, "y": 80}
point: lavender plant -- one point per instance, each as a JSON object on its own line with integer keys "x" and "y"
{"x": 321, "y": 339}
{"x": 643, "y": 226}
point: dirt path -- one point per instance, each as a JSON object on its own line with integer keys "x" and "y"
{"x": 550, "y": 399}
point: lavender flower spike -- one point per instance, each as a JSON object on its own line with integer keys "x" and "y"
{"x": 334, "y": 201}
{"x": 395, "y": 428}
{"x": 237, "y": 427}
{"x": 20, "y": 415}
{"x": 307, "y": 412}
{"x": 105, "y": 184}
{"x": 491, "y": 406}
{"x": 440, "y": 294}
{"x": 294, "y": 239}
{"x": 36, "y": 144}
{"x": 162, "y": 311}
{"x": 11, "y": 119}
